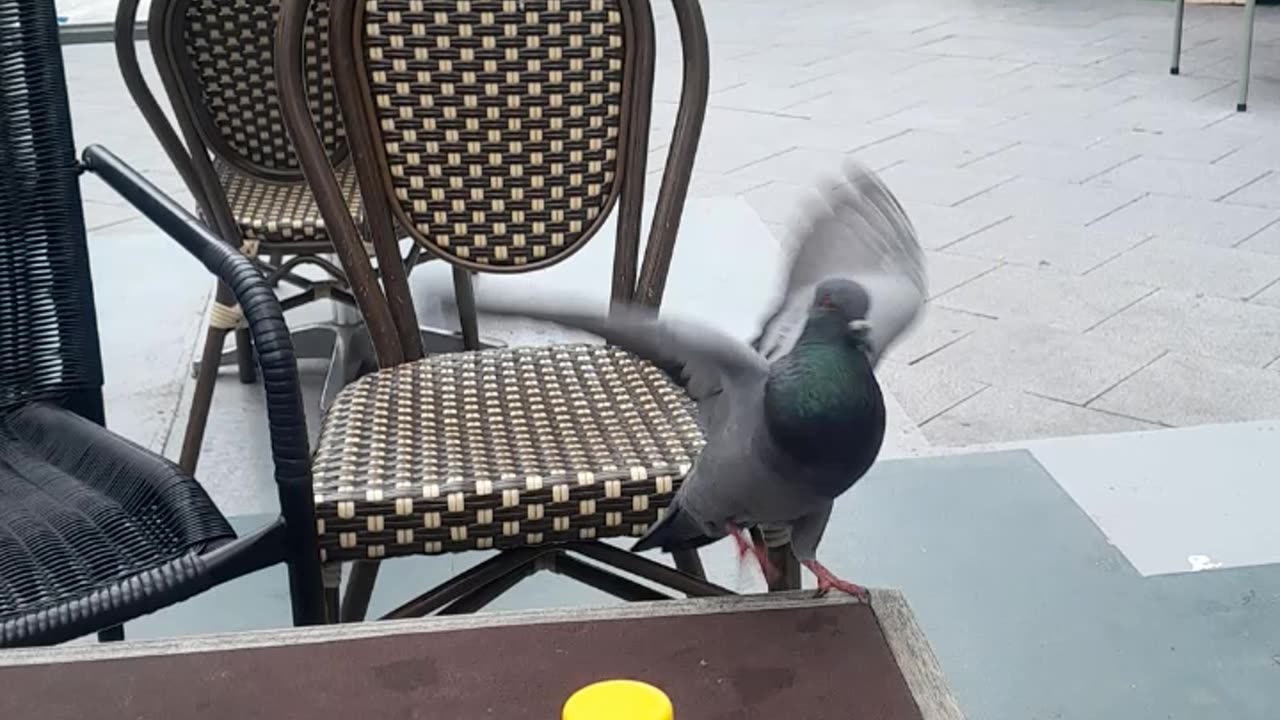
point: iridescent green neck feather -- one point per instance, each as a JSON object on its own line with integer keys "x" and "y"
{"x": 822, "y": 403}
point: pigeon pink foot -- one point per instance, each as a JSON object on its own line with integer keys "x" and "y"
{"x": 746, "y": 547}
{"x": 827, "y": 581}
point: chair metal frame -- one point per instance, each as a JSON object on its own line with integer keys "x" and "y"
{"x": 1246, "y": 47}
{"x": 390, "y": 319}
{"x": 290, "y": 537}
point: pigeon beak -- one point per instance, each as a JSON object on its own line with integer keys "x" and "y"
{"x": 859, "y": 326}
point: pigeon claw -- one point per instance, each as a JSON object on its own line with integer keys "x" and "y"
{"x": 827, "y": 581}
{"x": 746, "y": 547}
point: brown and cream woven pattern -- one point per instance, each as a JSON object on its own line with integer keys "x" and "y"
{"x": 500, "y": 120}
{"x": 500, "y": 449}
{"x": 282, "y": 212}
{"x": 229, "y": 45}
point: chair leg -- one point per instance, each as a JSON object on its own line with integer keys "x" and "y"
{"x": 605, "y": 581}
{"x": 689, "y": 563}
{"x": 643, "y": 567}
{"x": 436, "y": 341}
{"x": 352, "y": 357}
{"x": 1176, "y": 62}
{"x": 1246, "y": 54}
{"x": 465, "y": 295}
{"x": 276, "y": 259}
{"x": 244, "y": 357}
{"x": 202, "y": 400}
{"x": 477, "y": 599}
{"x": 784, "y": 561}
{"x": 777, "y": 544}
{"x": 331, "y": 584}
{"x": 307, "y": 596}
{"x": 469, "y": 581}
{"x": 111, "y": 634}
{"x": 355, "y": 600}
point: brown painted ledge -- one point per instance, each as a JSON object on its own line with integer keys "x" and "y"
{"x": 785, "y": 656}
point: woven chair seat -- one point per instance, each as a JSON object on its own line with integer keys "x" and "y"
{"x": 91, "y": 523}
{"x": 282, "y": 212}
{"x": 500, "y": 449}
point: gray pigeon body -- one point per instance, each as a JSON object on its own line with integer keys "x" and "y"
{"x": 795, "y": 418}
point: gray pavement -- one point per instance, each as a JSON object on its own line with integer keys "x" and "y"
{"x": 1033, "y": 612}
{"x": 1103, "y": 237}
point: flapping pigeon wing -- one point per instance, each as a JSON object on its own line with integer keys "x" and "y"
{"x": 861, "y": 233}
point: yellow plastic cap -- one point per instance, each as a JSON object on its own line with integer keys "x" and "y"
{"x": 618, "y": 700}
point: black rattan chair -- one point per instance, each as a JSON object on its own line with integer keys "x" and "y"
{"x": 95, "y": 530}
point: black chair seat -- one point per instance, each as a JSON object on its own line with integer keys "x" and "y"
{"x": 92, "y": 525}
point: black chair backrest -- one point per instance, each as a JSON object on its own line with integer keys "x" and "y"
{"x": 48, "y": 326}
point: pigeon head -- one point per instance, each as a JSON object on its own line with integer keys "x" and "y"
{"x": 843, "y": 301}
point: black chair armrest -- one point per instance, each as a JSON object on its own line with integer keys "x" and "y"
{"x": 262, "y": 310}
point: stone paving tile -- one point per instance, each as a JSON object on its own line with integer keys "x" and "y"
{"x": 837, "y": 138}
{"x": 1054, "y": 363}
{"x": 1186, "y": 220}
{"x": 850, "y": 109}
{"x": 781, "y": 202}
{"x": 1265, "y": 192}
{"x": 947, "y": 271}
{"x": 722, "y": 153}
{"x": 1262, "y": 154}
{"x": 1039, "y": 243}
{"x": 1270, "y": 296}
{"x": 1256, "y": 124}
{"x": 969, "y": 46}
{"x": 1149, "y": 84}
{"x": 1058, "y": 102}
{"x": 937, "y": 328}
{"x": 1190, "y": 267}
{"x": 798, "y": 166}
{"x": 1184, "y": 390}
{"x": 1231, "y": 330}
{"x": 925, "y": 391}
{"x": 1069, "y": 102}
{"x": 955, "y": 116}
{"x": 1051, "y": 163}
{"x": 833, "y": 73}
{"x": 1153, "y": 117}
{"x": 937, "y": 185}
{"x": 1058, "y": 201}
{"x": 1064, "y": 77}
{"x": 764, "y": 97}
{"x": 707, "y": 184}
{"x": 1074, "y": 54}
{"x": 1183, "y": 178}
{"x": 961, "y": 84}
{"x": 927, "y": 147}
{"x": 102, "y": 215}
{"x": 1058, "y": 300}
{"x": 939, "y": 226}
{"x": 1266, "y": 240}
{"x": 986, "y": 417}
{"x": 1204, "y": 145}
{"x": 1263, "y": 71}
{"x": 1066, "y": 132}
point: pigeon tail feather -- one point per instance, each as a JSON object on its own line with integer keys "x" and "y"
{"x": 677, "y": 530}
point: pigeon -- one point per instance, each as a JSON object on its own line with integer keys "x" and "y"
{"x": 795, "y": 417}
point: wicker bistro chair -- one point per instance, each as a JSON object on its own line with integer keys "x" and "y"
{"x": 214, "y": 59}
{"x": 94, "y": 530}
{"x": 499, "y": 134}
